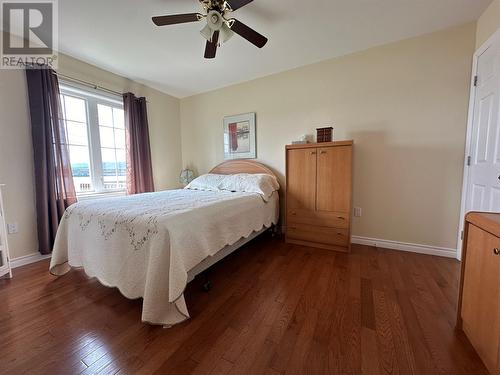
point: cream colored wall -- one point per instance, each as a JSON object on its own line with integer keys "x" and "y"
{"x": 16, "y": 164}
{"x": 405, "y": 106}
{"x": 488, "y": 23}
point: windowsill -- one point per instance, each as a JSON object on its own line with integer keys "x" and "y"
{"x": 90, "y": 196}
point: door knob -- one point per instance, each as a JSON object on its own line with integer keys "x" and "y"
{"x": 496, "y": 251}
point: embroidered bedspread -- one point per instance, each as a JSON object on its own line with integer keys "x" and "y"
{"x": 146, "y": 244}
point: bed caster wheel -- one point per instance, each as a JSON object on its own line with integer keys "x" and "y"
{"x": 207, "y": 286}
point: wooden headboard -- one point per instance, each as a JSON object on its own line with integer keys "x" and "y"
{"x": 241, "y": 166}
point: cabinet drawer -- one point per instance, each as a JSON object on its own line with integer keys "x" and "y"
{"x": 318, "y": 218}
{"x": 310, "y": 233}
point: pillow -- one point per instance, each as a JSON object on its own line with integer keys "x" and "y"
{"x": 262, "y": 184}
{"x": 206, "y": 182}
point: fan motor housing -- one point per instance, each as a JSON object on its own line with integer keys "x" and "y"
{"x": 214, "y": 20}
{"x": 218, "y": 5}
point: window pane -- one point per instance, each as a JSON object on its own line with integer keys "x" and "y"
{"x": 109, "y": 168}
{"x": 119, "y": 118}
{"x": 105, "y": 115}
{"x": 108, "y": 149}
{"x": 77, "y": 133}
{"x": 119, "y": 138}
{"x": 121, "y": 162}
{"x": 121, "y": 169}
{"x": 75, "y": 109}
{"x": 107, "y": 137}
{"x": 80, "y": 167}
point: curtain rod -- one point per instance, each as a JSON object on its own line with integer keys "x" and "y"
{"x": 89, "y": 84}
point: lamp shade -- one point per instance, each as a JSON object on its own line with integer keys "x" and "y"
{"x": 186, "y": 176}
{"x": 225, "y": 33}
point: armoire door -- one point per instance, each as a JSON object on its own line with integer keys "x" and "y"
{"x": 334, "y": 179}
{"x": 301, "y": 183}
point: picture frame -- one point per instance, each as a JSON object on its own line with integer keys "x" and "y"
{"x": 240, "y": 137}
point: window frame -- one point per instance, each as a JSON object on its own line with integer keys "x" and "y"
{"x": 92, "y": 100}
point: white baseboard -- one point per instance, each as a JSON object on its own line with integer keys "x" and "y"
{"x": 403, "y": 246}
{"x": 27, "y": 259}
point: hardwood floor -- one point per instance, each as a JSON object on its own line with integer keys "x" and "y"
{"x": 274, "y": 308}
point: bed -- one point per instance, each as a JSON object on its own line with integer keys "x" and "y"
{"x": 151, "y": 245}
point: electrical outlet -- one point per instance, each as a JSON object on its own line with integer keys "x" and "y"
{"x": 358, "y": 211}
{"x": 12, "y": 228}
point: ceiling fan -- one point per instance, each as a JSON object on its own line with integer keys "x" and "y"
{"x": 220, "y": 25}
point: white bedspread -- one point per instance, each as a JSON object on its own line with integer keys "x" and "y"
{"x": 146, "y": 244}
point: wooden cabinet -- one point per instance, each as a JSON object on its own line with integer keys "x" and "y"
{"x": 319, "y": 194}
{"x": 479, "y": 305}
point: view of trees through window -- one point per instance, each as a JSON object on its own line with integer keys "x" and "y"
{"x": 96, "y": 139}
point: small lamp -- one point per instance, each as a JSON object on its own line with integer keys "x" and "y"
{"x": 186, "y": 176}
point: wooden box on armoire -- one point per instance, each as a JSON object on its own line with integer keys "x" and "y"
{"x": 319, "y": 195}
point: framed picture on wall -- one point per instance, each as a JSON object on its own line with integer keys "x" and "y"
{"x": 239, "y": 137}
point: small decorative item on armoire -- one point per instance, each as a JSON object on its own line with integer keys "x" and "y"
{"x": 302, "y": 140}
{"x": 324, "y": 134}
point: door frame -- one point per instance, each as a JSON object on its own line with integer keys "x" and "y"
{"x": 495, "y": 38}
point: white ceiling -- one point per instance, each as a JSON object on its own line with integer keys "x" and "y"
{"x": 118, "y": 35}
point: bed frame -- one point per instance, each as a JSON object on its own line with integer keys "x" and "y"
{"x": 229, "y": 167}
{"x": 241, "y": 166}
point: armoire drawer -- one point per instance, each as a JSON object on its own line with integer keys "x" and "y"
{"x": 324, "y": 235}
{"x": 318, "y": 218}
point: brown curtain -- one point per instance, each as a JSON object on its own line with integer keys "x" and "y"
{"x": 139, "y": 168}
{"x": 53, "y": 179}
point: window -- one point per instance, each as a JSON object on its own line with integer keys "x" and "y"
{"x": 96, "y": 139}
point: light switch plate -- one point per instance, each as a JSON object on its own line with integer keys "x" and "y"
{"x": 12, "y": 228}
{"x": 358, "y": 211}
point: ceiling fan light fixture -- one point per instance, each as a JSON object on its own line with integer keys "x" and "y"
{"x": 207, "y": 33}
{"x": 225, "y": 33}
{"x": 220, "y": 27}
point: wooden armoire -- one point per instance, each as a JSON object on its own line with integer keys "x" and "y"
{"x": 319, "y": 195}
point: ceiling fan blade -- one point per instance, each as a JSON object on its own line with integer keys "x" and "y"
{"x": 248, "y": 33}
{"x": 237, "y": 4}
{"x": 176, "y": 18}
{"x": 211, "y": 47}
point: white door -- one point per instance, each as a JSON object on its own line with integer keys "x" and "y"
{"x": 483, "y": 191}
{"x": 481, "y": 186}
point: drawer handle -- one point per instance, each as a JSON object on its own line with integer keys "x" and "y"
{"x": 322, "y": 152}
{"x": 496, "y": 251}
{"x": 339, "y": 234}
{"x": 340, "y": 217}
{"x": 313, "y": 152}
{"x": 293, "y": 213}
